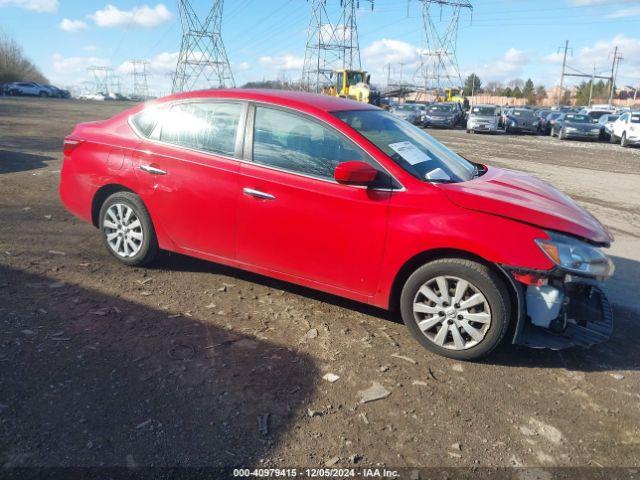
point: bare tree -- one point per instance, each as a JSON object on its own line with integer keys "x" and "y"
{"x": 14, "y": 66}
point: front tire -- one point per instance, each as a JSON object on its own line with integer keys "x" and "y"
{"x": 561, "y": 134}
{"x": 456, "y": 308}
{"x": 127, "y": 230}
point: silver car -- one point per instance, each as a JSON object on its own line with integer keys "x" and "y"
{"x": 410, "y": 112}
{"x": 483, "y": 118}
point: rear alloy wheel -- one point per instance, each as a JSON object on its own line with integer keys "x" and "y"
{"x": 126, "y": 229}
{"x": 456, "y": 308}
{"x": 623, "y": 140}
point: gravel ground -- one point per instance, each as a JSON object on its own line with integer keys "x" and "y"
{"x": 190, "y": 363}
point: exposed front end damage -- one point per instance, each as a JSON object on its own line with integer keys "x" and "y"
{"x": 560, "y": 311}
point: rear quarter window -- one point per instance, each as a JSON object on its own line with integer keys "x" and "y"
{"x": 145, "y": 121}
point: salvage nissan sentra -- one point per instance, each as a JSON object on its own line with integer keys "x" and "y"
{"x": 344, "y": 197}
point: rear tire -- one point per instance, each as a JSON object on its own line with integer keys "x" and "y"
{"x": 472, "y": 339}
{"x": 126, "y": 229}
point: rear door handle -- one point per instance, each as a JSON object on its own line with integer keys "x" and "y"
{"x": 152, "y": 170}
{"x": 258, "y": 194}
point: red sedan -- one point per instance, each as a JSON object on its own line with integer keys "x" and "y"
{"x": 344, "y": 197}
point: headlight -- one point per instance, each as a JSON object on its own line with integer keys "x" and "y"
{"x": 570, "y": 129}
{"x": 576, "y": 256}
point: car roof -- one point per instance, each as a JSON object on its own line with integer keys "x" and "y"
{"x": 289, "y": 98}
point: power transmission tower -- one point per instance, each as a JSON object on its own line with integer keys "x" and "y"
{"x": 332, "y": 43}
{"x": 140, "y": 78}
{"x": 102, "y": 79}
{"x": 203, "y": 60}
{"x": 439, "y": 63}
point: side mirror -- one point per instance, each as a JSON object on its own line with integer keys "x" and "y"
{"x": 355, "y": 173}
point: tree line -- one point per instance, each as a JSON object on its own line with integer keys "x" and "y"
{"x": 15, "y": 66}
{"x": 513, "y": 89}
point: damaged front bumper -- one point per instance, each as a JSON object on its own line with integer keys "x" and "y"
{"x": 564, "y": 312}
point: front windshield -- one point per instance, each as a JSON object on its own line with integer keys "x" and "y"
{"x": 483, "y": 110}
{"x": 441, "y": 108}
{"x": 355, "y": 78}
{"x": 411, "y": 148}
{"x": 553, "y": 116}
{"x": 577, "y": 118}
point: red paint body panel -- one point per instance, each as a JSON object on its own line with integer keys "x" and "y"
{"x": 342, "y": 239}
{"x": 526, "y": 198}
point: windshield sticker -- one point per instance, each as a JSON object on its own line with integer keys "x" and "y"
{"x": 409, "y": 152}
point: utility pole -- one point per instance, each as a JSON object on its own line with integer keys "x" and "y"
{"x": 332, "y": 42}
{"x": 614, "y": 74}
{"x": 203, "y": 59}
{"x": 593, "y": 79}
{"x": 564, "y": 65}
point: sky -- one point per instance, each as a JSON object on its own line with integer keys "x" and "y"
{"x": 265, "y": 39}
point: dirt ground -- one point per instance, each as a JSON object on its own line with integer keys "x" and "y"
{"x": 193, "y": 364}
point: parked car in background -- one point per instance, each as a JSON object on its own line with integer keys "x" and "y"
{"x": 596, "y": 113}
{"x": 410, "y": 112}
{"x": 483, "y": 118}
{"x": 521, "y": 120}
{"x": 575, "y": 125}
{"x": 101, "y": 97}
{"x": 626, "y": 129}
{"x": 549, "y": 121}
{"x": 606, "y": 124}
{"x": 542, "y": 115}
{"x": 344, "y": 197}
{"x": 445, "y": 115}
{"x": 28, "y": 89}
{"x": 57, "y": 92}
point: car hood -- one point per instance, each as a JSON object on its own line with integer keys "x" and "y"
{"x": 439, "y": 114}
{"x": 525, "y": 198}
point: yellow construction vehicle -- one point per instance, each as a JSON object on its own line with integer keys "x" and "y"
{"x": 352, "y": 84}
{"x": 454, "y": 95}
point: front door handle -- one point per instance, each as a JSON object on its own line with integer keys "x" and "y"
{"x": 152, "y": 170}
{"x": 258, "y": 194}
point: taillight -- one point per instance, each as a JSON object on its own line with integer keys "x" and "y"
{"x": 70, "y": 144}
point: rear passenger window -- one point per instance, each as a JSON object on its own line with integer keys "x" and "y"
{"x": 293, "y": 142}
{"x": 208, "y": 126}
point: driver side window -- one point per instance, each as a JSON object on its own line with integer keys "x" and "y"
{"x": 293, "y": 142}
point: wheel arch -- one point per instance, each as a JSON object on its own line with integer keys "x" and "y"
{"x": 101, "y": 195}
{"x": 415, "y": 262}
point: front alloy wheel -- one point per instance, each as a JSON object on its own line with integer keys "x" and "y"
{"x": 455, "y": 307}
{"x": 455, "y": 321}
